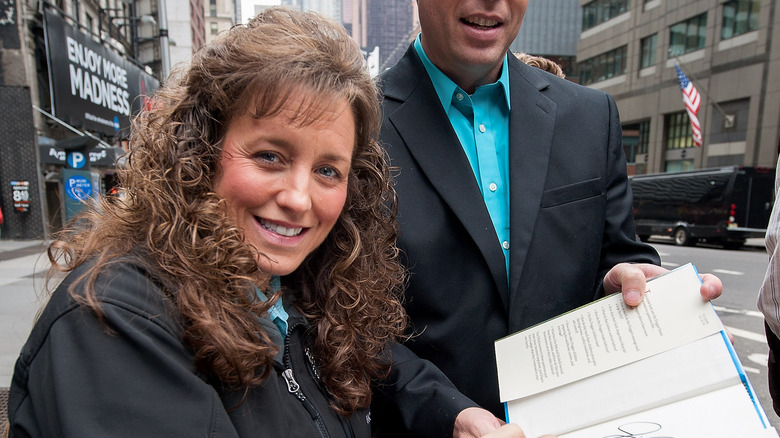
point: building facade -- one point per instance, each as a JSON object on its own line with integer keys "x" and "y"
{"x": 72, "y": 74}
{"x": 220, "y": 15}
{"x": 551, "y": 28}
{"x": 728, "y": 49}
{"x": 391, "y": 25}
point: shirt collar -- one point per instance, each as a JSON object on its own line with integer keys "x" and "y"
{"x": 277, "y": 312}
{"x": 445, "y": 87}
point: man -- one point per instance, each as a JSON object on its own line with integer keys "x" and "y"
{"x": 514, "y": 205}
{"x": 769, "y": 297}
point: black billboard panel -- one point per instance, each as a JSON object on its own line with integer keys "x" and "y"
{"x": 92, "y": 86}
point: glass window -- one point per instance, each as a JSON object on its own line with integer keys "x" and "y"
{"x": 600, "y": 11}
{"x": 603, "y": 66}
{"x": 213, "y": 8}
{"x": 649, "y": 48}
{"x": 739, "y": 16}
{"x": 678, "y": 131}
{"x": 688, "y": 36}
{"x": 636, "y": 138}
{"x": 214, "y": 28}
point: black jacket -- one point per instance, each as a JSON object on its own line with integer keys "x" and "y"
{"x": 76, "y": 378}
{"x": 570, "y": 217}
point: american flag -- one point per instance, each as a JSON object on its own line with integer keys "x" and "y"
{"x": 692, "y": 101}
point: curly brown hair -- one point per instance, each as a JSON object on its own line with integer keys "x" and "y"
{"x": 349, "y": 287}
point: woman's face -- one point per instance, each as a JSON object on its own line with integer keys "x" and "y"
{"x": 285, "y": 184}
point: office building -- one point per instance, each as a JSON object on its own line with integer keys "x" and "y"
{"x": 729, "y": 51}
{"x": 73, "y": 73}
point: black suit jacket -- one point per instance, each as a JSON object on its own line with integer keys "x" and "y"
{"x": 570, "y": 214}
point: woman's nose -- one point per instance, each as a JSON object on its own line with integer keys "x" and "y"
{"x": 295, "y": 195}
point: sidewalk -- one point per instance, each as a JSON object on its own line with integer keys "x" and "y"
{"x": 23, "y": 266}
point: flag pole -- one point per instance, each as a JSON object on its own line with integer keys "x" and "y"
{"x": 728, "y": 117}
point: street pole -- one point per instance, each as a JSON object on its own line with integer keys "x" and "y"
{"x": 165, "y": 51}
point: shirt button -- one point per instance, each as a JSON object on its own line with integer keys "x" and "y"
{"x": 505, "y": 245}
{"x": 482, "y": 128}
{"x": 493, "y": 187}
{"x": 459, "y": 96}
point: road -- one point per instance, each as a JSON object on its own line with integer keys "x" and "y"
{"x": 742, "y": 272}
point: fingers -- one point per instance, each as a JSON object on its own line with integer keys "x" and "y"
{"x": 631, "y": 280}
{"x": 506, "y": 431}
{"x": 711, "y": 287}
{"x": 474, "y": 422}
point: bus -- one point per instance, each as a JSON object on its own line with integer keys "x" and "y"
{"x": 722, "y": 206}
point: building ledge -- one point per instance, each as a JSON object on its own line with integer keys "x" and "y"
{"x": 605, "y": 25}
{"x": 737, "y": 41}
{"x": 727, "y": 148}
{"x": 608, "y": 82}
{"x": 688, "y": 57}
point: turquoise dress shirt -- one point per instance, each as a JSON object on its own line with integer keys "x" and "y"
{"x": 481, "y": 121}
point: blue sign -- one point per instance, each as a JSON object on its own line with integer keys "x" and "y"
{"x": 76, "y": 160}
{"x": 78, "y": 188}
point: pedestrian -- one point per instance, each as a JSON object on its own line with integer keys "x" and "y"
{"x": 246, "y": 283}
{"x": 769, "y": 298}
{"x": 514, "y": 204}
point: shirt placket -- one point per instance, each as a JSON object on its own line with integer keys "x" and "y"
{"x": 494, "y": 191}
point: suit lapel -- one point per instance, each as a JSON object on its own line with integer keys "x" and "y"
{"x": 530, "y": 132}
{"x": 429, "y": 137}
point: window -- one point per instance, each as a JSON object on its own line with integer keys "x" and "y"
{"x": 739, "y": 16}
{"x": 74, "y": 10}
{"x": 90, "y": 23}
{"x": 603, "y": 67}
{"x": 688, "y": 36}
{"x": 213, "y": 9}
{"x": 649, "y": 49}
{"x": 600, "y": 11}
{"x": 214, "y": 28}
{"x": 636, "y": 138}
{"x": 678, "y": 131}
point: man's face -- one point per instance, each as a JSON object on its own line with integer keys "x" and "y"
{"x": 470, "y": 36}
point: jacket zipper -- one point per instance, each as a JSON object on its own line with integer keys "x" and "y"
{"x": 315, "y": 374}
{"x": 294, "y": 388}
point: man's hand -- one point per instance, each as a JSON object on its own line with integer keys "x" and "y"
{"x": 479, "y": 423}
{"x": 476, "y": 422}
{"x": 631, "y": 281}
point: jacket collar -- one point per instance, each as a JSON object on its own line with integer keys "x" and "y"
{"x": 427, "y": 133}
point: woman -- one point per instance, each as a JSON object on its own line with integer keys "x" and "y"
{"x": 246, "y": 282}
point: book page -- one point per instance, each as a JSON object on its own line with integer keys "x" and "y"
{"x": 604, "y": 335}
{"x": 658, "y": 380}
{"x": 722, "y": 416}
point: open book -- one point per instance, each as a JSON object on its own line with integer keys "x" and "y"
{"x": 604, "y": 370}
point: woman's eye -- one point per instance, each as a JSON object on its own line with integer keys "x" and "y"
{"x": 268, "y": 156}
{"x": 329, "y": 172}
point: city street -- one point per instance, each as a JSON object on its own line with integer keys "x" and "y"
{"x": 23, "y": 265}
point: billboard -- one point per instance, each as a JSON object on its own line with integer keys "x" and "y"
{"x": 92, "y": 86}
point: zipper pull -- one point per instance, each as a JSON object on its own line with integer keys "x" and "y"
{"x": 294, "y": 388}
{"x": 292, "y": 385}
